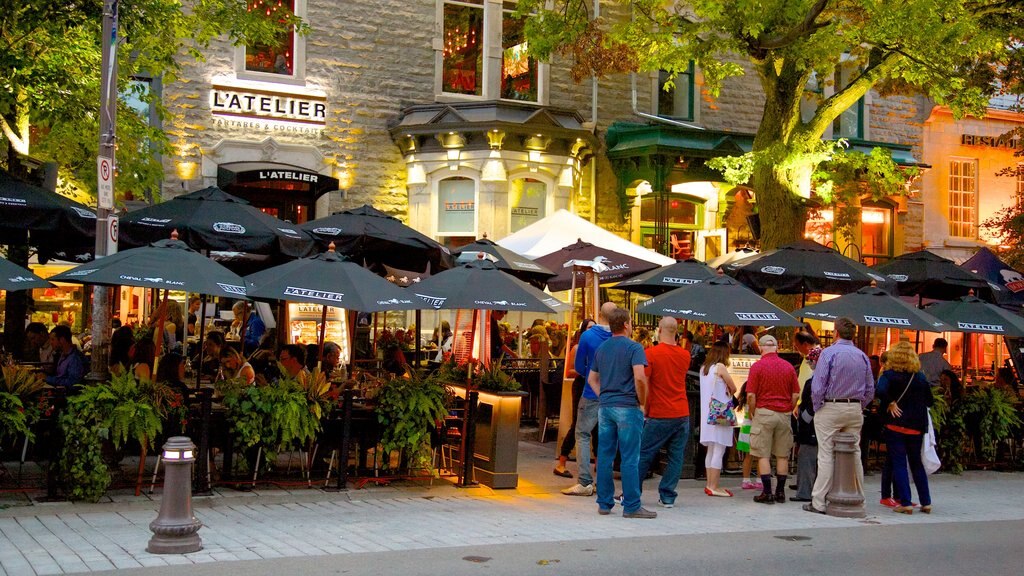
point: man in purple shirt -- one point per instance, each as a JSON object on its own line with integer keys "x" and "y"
{"x": 842, "y": 387}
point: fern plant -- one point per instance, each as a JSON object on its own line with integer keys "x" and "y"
{"x": 13, "y": 419}
{"x": 273, "y": 416}
{"x": 493, "y": 378}
{"x": 408, "y": 409}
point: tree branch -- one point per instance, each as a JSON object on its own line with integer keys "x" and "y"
{"x": 16, "y": 141}
{"x": 807, "y": 27}
{"x": 842, "y": 99}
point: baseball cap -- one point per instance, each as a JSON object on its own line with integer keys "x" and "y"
{"x": 768, "y": 340}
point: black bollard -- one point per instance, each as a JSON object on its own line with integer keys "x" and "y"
{"x": 175, "y": 530}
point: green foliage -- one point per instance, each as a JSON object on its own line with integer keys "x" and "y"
{"x": 25, "y": 388}
{"x": 84, "y": 473}
{"x": 495, "y": 379}
{"x": 13, "y": 420}
{"x": 273, "y": 416}
{"x": 983, "y": 417}
{"x": 408, "y": 409}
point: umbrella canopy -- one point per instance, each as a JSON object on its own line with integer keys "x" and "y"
{"x": 730, "y": 257}
{"x": 719, "y": 300}
{"x": 504, "y": 259}
{"x": 973, "y": 315}
{"x": 611, "y": 265}
{"x": 1007, "y": 284}
{"x": 669, "y": 277}
{"x": 871, "y": 306}
{"x": 59, "y": 227}
{"x": 14, "y": 277}
{"x": 330, "y": 279}
{"x": 802, "y": 267}
{"x": 166, "y": 264}
{"x": 366, "y": 234}
{"x": 481, "y": 285}
{"x": 211, "y": 219}
{"x": 929, "y": 275}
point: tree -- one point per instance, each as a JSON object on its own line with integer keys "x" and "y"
{"x": 50, "y": 76}
{"x": 948, "y": 50}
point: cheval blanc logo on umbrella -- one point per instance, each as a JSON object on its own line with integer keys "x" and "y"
{"x": 20, "y": 279}
{"x": 153, "y": 279}
{"x": 776, "y": 270}
{"x": 505, "y": 303}
{"x": 1013, "y": 280}
{"x": 887, "y": 320}
{"x": 228, "y": 228}
{"x": 765, "y": 316}
{"x": 977, "y": 326}
{"x": 289, "y": 231}
{"x": 899, "y": 277}
{"x": 670, "y": 311}
{"x": 315, "y": 294}
{"x": 395, "y": 301}
{"x": 434, "y": 301}
{"x": 83, "y": 213}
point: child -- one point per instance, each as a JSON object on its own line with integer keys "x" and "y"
{"x": 743, "y": 441}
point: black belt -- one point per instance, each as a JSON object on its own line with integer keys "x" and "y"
{"x": 843, "y": 400}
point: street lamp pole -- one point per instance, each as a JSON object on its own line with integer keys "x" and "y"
{"x": 105, "y": 245}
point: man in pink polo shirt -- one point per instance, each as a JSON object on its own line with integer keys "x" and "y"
{"x": 772, "y": 392}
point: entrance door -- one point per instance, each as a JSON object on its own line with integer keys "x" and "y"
{"x": 284, "y": 200}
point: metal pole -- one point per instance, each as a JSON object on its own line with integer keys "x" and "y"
{"x": 108, "y": 117}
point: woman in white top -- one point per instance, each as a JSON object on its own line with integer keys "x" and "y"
{"x": 445, "y": 344}
{"x": 715, "y": 382}
{"x": 235, "y": 366}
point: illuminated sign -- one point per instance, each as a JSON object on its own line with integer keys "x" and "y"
{"x": 267, "y": 105}
{"x": 1011, "y": 142}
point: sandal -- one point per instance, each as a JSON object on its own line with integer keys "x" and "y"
{"x": 563, "y": 473}
{"x": 904, "y": 510}
{"x": 926, "y": 509}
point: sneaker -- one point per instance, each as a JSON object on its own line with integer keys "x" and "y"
{"x": 604, "y": 511}
{"x": 764, "y": 498}
{"x": 752, "y": 485}
{"x": 640, "y": 513}
{"x": 579, "y": 490}
{"x": 889, "y": 502}
{"x": 664, "y": 504}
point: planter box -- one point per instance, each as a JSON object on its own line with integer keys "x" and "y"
{"x": 496, "y": 450}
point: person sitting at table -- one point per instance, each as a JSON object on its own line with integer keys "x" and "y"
{"x": 264, "y": 358}
{"x": 234, "y": 366}
{"x": 121, "y": 349}
{"x": 212, "y": 346}
{"x": 70, "y": 362}
{"x": 38, "y": 347}
{"x": 332, "y": 358}
{"x": 193, "y": 307}
{"x": 143, "y": 354}
{"x": 254, "y": 326}
{"x": 171, "y": 372}
{"x": 445, "y": 346}
{"x": 293, "y": 358}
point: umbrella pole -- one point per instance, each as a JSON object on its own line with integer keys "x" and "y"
{"x": 202, "y": 335}
{"x": 159, "y": 337}
{"x": 418, "y": 318}
{"x": 323, "y": 333}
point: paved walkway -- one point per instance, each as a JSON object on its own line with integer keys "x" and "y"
{"x": 67, "y": 538}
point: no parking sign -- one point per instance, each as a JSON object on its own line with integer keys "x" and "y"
{"x": 105, "y": 181}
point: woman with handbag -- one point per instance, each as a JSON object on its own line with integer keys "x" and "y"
{"x": 716, "y": 392}
{"x": 905, "y": 396}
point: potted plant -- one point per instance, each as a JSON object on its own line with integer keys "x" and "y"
{"x": 408, "y": 409}
{"x": 20, "y": 394}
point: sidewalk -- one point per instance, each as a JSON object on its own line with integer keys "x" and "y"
{"x": 63, "y": 538}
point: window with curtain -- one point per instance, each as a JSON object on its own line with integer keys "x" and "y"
{"x": 963, "y": 191}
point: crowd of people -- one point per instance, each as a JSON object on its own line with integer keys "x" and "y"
{"x": 630, "y": 402}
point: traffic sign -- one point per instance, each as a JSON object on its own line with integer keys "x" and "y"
{"x": 111, "y": 235}
{"x": 105, "y": 179}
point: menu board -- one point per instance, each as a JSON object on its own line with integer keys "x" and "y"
{"x": 304, "y": 326}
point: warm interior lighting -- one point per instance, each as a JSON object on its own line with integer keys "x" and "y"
{"x": 872, "y": 217}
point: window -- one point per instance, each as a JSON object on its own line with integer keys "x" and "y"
{"x": 963, "y": 189}
{"x": 876, "y": 234}
{"x": 527, "y": 202}
{"x": 681, "y": 220}
{"x": 849, "y": 124}
{"x": 677, "y": 102}
{"x": 277, "y": 60}
{"x": 475, "y": 63}
{"x": 456, "y": 207}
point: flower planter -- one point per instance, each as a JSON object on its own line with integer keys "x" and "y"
{"x": 496, "y": 450}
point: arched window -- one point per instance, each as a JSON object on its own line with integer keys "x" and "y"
{"x": 527, "y": 202}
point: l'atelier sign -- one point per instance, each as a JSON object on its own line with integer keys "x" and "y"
{"x": 1004, "y": 141}
{"x": 266, "y": 105}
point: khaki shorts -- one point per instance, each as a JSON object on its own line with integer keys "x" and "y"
{"x": 770, "y": 433}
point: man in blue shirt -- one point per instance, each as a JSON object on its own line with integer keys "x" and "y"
{"x": 586, "y": 414}
{"x": 70, "y": 363}
{"x": 618, "y": 377}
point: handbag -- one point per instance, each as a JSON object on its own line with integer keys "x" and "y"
{"x": 720, "y": 413}
{"x": 929, "y": 456}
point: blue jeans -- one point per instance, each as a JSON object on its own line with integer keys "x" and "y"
{"x": 904, "y": 449}
{"x": 586, "y": 421}
{"x": 673, "y": 433}
{"x": 620, "y": 429}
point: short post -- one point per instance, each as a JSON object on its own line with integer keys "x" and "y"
{"x": 175, "y": 528}
{"x": 846, "y": 498}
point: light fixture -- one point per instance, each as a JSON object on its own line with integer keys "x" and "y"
{"x": 454, "y": 154}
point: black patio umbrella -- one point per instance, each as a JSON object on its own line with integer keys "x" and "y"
{"x": 871, "y": 306}
{"x": 14, "y": 277}
{"x": 504, "y": 259}
{"x": 481, "y": 285}
{"x": 730, "y": 257}
{"x": 804, "y": 267}
{"x": 973, "y": 315}
{"x": 213, "y": 220}
{"x": 929, "y": 275}
{"x": 59, "y": 227}
{"x": 165, "y": 264}
{"x": 1007, "y": 284}
{"x": 720, "y": 300}
{"x": 329, "y": 279}
{"x": 660, "y": 280}
{"x": 368, "y": 235}
{"x": 611, "y": 265}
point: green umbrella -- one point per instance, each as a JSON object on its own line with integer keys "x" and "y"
{"x": 871, "y": 306}
{"x": 973, "y": 315}
{"x": 14, "y": 277}
{"x": 720, "y": 300}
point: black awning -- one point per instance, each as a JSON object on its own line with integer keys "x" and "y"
{"x": 241, "y": 173}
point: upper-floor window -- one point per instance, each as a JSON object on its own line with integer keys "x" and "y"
{"x": 468, "y": 46}
{"x": 850, "y": 123}
{"x": 282, "y": 59}
{"x": 677, "y": 101}
{"x": 527, "y": 202}
{"x": 963, "y": 193}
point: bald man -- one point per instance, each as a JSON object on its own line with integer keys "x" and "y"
{"x": 667, "y": 410}
{"x": 586, "y": 414}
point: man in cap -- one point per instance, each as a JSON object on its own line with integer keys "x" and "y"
{"x": 772, "y": 392}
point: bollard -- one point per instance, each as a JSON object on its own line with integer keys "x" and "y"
{"x": 175, "y": 528}
{"x": 846, "y": 498}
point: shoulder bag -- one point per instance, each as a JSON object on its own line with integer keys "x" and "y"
{"x": 720, "y": 413}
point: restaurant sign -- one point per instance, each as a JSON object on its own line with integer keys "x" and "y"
{"x": 1011, "y": 141}
{"x": 268, "y": 105}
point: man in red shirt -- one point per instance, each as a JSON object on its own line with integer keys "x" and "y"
{"x": 772, "y": 392}
{"x": 667, "y": 410}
